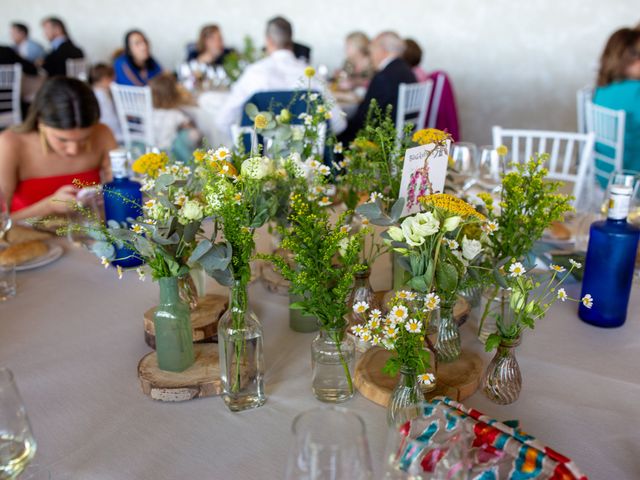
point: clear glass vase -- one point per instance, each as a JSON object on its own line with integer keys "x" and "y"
{"x": 172, "y": 323}
{"x": 448, "y": 339}
{"x": 333, "y": 356}
{"x": 361, "y": 292}
{"x": 299, "y": 322}
{"x": 399, "y": 276}
{"x": 188, "y": 290}
{"x": 404, "y": 398}
{"x": 493, "y": 303}
{"x": 502, "y": 381}
{"x": 240, "y": 353}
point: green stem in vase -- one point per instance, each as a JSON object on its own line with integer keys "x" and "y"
{"x": 337, "y": 337}
{"x": 487, "y": 307}
{"x": 238, "y": 310}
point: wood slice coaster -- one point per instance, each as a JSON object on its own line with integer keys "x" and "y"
{"x": 204, "y": 320}
{"x": 457, "y": 380}
{"x": 202, "y": 379}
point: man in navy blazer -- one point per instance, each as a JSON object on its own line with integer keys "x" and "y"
{"x": 386, "y": 51}
{"x": 55, "y": 62}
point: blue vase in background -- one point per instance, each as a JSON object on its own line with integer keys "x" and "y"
{"x": 611, "y": 256}
{"x": 122, "y": 202}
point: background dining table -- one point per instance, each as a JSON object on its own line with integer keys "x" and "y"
{"x": 73, "y": 336}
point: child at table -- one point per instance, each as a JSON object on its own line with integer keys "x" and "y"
{"x": 174, "y": 131}
{"x": 101, "y": 77}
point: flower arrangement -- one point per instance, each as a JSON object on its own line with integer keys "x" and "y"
{"x": 402, "y": 331}
{"x": 234, "y": 62}
{"x": 316, "y": 245}
{"x": 530, "y": 299}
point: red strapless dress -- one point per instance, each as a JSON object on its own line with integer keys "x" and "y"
{"x": 33, "y": 190}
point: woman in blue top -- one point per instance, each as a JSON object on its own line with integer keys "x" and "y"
{"x": 619, "y": 89}
{"x": 135, "y": 66}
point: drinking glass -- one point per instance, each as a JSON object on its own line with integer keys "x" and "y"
{"x": 17, "y": 445}
{"x": 329, "y": 443}
{"x": 491, "y": 168}
{"x": 465, "y": 156}
{"x": 5, "y": 215}
{"x": 7, "y": 282}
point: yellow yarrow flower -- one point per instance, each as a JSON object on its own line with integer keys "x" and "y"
{"x": 430, "y": 135}
{"x": 502, "y": 151}
{"x": 451, "y": 204}
{"x": 150, "y": 164}
{"x": 309, "y": 72}
{"x": 260, "y": 122}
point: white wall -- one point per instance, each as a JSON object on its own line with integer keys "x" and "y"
{"x": 513, "y": 63}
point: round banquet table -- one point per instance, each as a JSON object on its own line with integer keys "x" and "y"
{"x": 73, "y": 337}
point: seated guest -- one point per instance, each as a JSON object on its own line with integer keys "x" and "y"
{"x": 302, "y": 52}
{"x": 101, "y": 77}
{"x": 61, "y": 140}
{"x": 8, "y": 56}
{"x": 136, "y": 66}
{"x": 210, "y": 49}
{"x": 618, "y": 87}
{"x": 357, "y": 65}
{"x": 279, "y": 70}
{"x": 447, "y": 116}
{"x": 391, "y": 70}
{"x": 173, "y": 130}
{"x": 23, "y": 45}
{"x": 62, "y": 49}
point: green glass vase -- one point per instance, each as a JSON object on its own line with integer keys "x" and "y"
{"x": 172, "y": 322}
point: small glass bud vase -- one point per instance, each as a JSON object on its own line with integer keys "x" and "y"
{"x": 172, "y": 323}
{"x": 406, "y": 395}
{"x": 240, "y": 353}
{"x": 362, "y": 292}
{"x": 333, "y": 356}
{"x": 502, "y": 381}
{"x": 448, "y": 339}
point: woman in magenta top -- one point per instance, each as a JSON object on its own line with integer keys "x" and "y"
{"x": 60, "y": 141}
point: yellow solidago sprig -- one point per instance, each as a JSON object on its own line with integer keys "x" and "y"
{"x": 150, "y": 164}
{"x": 452, "y": 206}
{"x": 428, "y": 136}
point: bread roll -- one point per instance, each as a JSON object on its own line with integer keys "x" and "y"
{"x": 20, "y": 233}
{"x": 23, "y": 252}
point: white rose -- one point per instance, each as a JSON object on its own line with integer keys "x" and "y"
{"x": 426, "y": 224}
{"x": 191, "y": 210}
{"x": 412, "y": 237}
{"x": 256, "y": 167}
{"x": 451, "y": 223}
{"x": 470, "y": 248}
{"x": 297, "y": 134}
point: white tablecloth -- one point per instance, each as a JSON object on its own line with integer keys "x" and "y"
{"x": 73, "y": 337}
{"x": 204, "y": 116}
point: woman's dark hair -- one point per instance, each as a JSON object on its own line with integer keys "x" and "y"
{"x": 148, "y": 64}
{"x": 64, "y": 103}
{"x": 412, "y": 53}
{"x": 622, "y": 49}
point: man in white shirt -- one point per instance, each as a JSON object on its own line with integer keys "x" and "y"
{"x": 280, "y": 70}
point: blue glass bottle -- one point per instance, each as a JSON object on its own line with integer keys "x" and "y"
{"x": 118, "y": 209}
{"x": 611, "y": 258}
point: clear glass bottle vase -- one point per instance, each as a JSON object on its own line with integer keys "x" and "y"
{"x": 361, "y": 292}
{"x": 333, "y": 356}
{"x": 241, "y": 353}
{"x": 406, "y": 395}
{"x": 448, "y": 340}
{"x": 502, "y": 381}
{"x": 172, "y": 324}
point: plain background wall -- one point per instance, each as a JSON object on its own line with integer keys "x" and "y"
{"x": 513, "y": 63}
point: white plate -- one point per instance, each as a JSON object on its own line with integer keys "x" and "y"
{"x": 54, "y": 253}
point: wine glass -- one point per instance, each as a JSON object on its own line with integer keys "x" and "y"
{"x": 5, "y": 216}
{"x": 491, "y": 168}
{"x": 17, "y": 445}
{"x": 329, "y": 443}
{"x": 465, "y": 155}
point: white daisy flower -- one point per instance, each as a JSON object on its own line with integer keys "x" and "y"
{"x": 104, "y": 262}
{"x": 375, "y": 314}
{"x": 403, "y": 294}
{"x": 426, "y": 378}
{"x": 345, "y": 228}
{"x": 431, "y": 302}
{"x": 360, "y": 307}
{"x": 337, "y": 148}
{"x": 365, "y": 335}
{"x": 141, "y": 275}
{"x": 149, "y": 204}
{"x": 413, "y": 326}
{"x": 375, "y": 340}
{"x": 324, "y": 170}
{"x": 222, "y": 153}
{"x": 516, "y": 270}
{"x": 574, "y": 263}
{"x": 390, "y": 331}
{"x": 120, "y": 273}
{"x": 136, "y": 228}
{"x": 452, "y": 244}
{"x": 557, "y": 268}
{"x": 374, "y": 196}
{"x": 490, "y": 227}
{"x": 373, "y": 324}
{"x": 399, "y": 313}
{"x": 324, "y": 201}
{"x": 357, "y": 330}
{"x": 562, "y": 294}
{"x": 587, "y": 300}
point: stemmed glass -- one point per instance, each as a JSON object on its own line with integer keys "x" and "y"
{"x": 5, "y": 216}
{"x": 491, "y": 168}
{"x": 465, "y": 163}
{"x": 17, "y": 445}
{"x": 329, "y": 444}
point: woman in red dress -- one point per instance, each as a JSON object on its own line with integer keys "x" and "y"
{"x": 60, "y": 141}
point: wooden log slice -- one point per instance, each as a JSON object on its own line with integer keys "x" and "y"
{"x": 457, "y": 380}
{"x": 273, "y": 281}
{"x": 202, "y": 379}
{"x": 204, "y": 320}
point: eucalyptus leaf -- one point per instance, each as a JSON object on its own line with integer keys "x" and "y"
{"x": 103, "y": 249}
{"x": 163, "y": 181}
{"x": 218, "y": 257}
{"x": 251, "y": 110}
{"x": 113, "y": 224}
{"x": 143, "y": 246}
{"x": 371, "y": 211}
{"x": 447, "y": 277}
{"x": 171, "y": 240}
{"x": 223, "y": 277}
{"x": 397, "y": 208}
